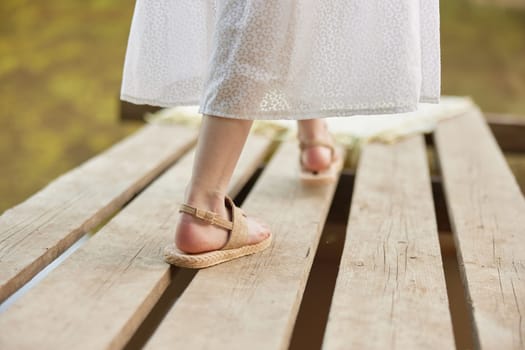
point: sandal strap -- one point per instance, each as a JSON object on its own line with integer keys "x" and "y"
{"x": 311, "y": 143}
{"x": 206, "y": 215}
{"x": 238, "y": 227}
{"x": 303, "y": 144}
{"x": 239, "y": 233}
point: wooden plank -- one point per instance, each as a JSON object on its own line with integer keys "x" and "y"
{"x": 35, "y": 232}
{"x": 99, "y": 296}
{"x": 508, "y": 129}
{"x": 390, "y": 291}
{"x": 487, "y": 214}
{"x": 252, "y": 303}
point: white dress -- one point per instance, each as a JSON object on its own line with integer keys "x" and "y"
{"x": 284, "y": 59}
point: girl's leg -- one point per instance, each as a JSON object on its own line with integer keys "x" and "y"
{"x": 219, "y": 146}
{"x": 315, "y": 158}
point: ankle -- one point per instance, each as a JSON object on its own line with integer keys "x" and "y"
{"x": 311, "y": 128}
{"x": 208, "y": 199}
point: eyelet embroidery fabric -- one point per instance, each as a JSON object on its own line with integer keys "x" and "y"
{"x": 284, "y": 59}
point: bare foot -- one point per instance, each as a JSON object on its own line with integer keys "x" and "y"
{"x": 194, "y": 235}
{"x": 315, "y": 158}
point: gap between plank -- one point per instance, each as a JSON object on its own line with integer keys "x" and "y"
{"x": 4, "y": 306}
{"x": 24, "y": 262}
{"x": 81, "y": 241}
{"x": 461, "y": 322}
{"x": 180, "y": 280}
{"x": 313, "y": 312}
{"x": 131, "y": 288}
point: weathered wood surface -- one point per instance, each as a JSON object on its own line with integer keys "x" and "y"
{"x": 98, "y": 297}
{"x": 390, "y": 291}
{"x": 252, "y": 303}
{"x": 509, "y": 131}
{"x": 35, "y": 232}
{"x": 487, "y": 213}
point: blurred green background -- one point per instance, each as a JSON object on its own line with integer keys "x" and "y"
{"x": 61, "y": 66}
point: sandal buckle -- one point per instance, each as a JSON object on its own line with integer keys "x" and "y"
{"x": 205, "y": 215}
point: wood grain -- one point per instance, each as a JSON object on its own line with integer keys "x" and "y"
{"x": 99, "y": 296}
{"x": 487, "y": 214}
{"x": 252, "y": 303}
{"x": 35, "y": 232}
{"x": 390, "y": 291}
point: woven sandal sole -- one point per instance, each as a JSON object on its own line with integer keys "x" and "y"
{"x": 174, "y": 256}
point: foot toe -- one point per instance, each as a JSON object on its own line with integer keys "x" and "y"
{"x": 258, "y": 230}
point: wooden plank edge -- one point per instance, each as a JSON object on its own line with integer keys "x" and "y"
{"x": 352, "y": 264}
{"x": 479, "y": 317}
{"x": 16, "y": 280}
{"x": 245, "y": 269}
{"x": 117, "y": 340}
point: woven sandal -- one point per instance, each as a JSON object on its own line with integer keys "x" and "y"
{"x": 327, "y": 175}
{"x": 235, "y": 247}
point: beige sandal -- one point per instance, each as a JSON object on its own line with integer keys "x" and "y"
{"x": 328, "y": 175}
{"x": 235, "y": 247}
